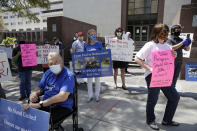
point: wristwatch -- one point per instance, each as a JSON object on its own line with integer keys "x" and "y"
{"x": 41, "y": 104}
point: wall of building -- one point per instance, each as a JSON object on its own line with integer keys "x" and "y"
{"x": 12, "y": 22}
{"x": 105, "y": 14}
{"x": 65, "y": 29}
{"x": 172, "y": 10}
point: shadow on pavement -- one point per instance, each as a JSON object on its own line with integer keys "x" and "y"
{"x": 181, "y": 127}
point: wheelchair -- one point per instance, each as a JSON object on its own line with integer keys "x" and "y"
{"x": 74, "y": 113}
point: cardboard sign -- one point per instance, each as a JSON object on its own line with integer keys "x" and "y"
{"x": 8, "y": 50}
{"x": 13, "y": 118}
{"x": 43, "y": 51}
{"x": 121, "y": 50}
{"x": 186, "y": 54}
{"x": 5, "y": 73}
{"x": 92, "y": 63}
{"x": 163, "y": 68}
{"x": 28, "y": 53}
{"x": 191, "y": 71}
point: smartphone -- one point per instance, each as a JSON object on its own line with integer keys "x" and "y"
{"x": 188, "y": 35}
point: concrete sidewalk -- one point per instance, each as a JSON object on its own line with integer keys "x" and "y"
{"x": 120, "y": 110}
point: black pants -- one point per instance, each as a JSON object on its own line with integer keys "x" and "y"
{"x": 57, "y": 113}
{"x": 153, "y": 94}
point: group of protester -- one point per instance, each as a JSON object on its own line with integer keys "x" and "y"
{"x": 57, "y": 83}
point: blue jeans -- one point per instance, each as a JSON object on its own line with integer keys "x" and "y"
{"x": 177, "y": 69}
{"x": 153, "y": 93}
{"x": 25, "y": 83}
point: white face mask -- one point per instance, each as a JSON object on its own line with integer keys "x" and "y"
{"x": 56, "y": 69}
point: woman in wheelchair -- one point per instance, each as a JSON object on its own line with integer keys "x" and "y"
{"x": 57, "y": 85}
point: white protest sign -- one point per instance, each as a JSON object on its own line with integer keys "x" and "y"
{"x": 121, "y": 50}
{"x": 43, "y": 51}
{"x": 5, "y": 73}
{"x": 8, "y": 50}
{"x": 107, "y": 38}
{"x": 186, "y": 54}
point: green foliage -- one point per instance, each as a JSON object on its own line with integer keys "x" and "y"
{"x": 22, "y": 8}
{"x": 9, "y": 40}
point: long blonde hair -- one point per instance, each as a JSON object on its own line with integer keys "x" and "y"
{"x": 88, "y": 36}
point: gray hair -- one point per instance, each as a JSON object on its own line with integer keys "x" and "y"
{"x": 54, "y": 54}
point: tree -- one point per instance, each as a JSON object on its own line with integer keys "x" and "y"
{"x": 22, "y": 8}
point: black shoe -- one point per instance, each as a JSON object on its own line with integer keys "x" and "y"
{"x": 22, "y": 98}
{"x": 27, "y": 96}
{"x": 124, "y": 88}
{"x": 172, "y": 123}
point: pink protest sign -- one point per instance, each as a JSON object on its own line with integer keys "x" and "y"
{"x": 28, "y": 53}
{"x": 163, "y": 68}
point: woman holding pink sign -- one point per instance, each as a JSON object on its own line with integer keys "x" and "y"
{"x": 157, "y": 42}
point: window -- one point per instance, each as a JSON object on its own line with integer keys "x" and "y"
{"x": 49, "y": 11}
{"x": 6, "y": 24}
{"x": 12, "y": 16}
{"x": 20, "y": 23}
{"x": 5, "y": 17}
{"x": 28, "y": 22}
{"x": 36, "y": 13}
{"x": 13, "y": 23}
{"x": 45, "y": 20}
{"x": 136, "y": 7}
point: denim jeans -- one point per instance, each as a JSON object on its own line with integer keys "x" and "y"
{"x": 153, "y": 93}
{"x": 177, "y": 69}
{"x": 25, "y": 83}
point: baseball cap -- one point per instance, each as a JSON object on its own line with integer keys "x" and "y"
{"x": 80, "y": 33}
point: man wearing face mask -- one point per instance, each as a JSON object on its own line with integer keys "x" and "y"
{"x": 25, "y": 73}
{"x": 56, "y": 85}
{"x": 78, "y": 46}
{"x": 178, "y": 44}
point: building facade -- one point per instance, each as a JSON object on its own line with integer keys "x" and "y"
{"x": 15, "y": 23}
{"x": 33, "y": 31}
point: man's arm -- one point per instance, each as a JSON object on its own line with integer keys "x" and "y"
{"x": 15, "y": 58}
{"x": 35, "y": 95}
{"x": 73, "y": 50}
{"x": 60, "y": 97}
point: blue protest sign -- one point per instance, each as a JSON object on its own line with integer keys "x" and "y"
{"x": 13, "y": 118}
{"x": 92, "y": 63}
{"x": 191, "y": 71}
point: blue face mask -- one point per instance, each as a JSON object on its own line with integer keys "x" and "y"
{"x": 93, "y": 37}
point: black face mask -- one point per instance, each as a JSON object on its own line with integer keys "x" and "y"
{"x": 177, "y": 33}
